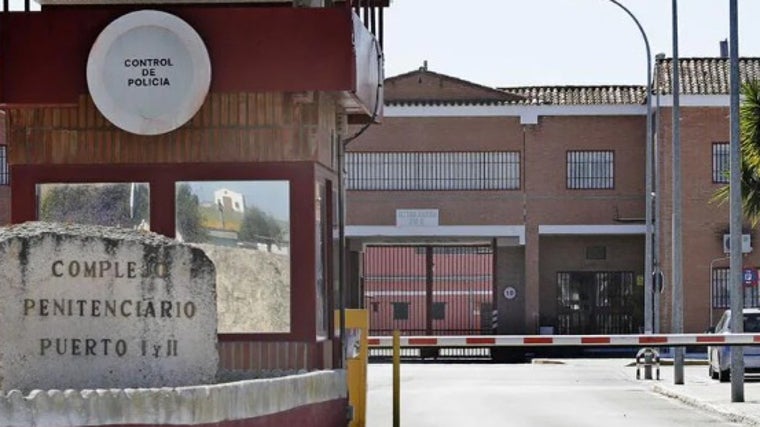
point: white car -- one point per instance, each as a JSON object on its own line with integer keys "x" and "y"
{"x": 719, "y": 357}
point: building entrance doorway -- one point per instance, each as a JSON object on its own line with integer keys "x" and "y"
{"x": 598, "y": 302}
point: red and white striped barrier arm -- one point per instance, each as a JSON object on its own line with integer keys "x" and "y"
{"x": 659, "y": 340}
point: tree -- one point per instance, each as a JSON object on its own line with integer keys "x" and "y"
{"x": 188, "y": 217}
{"x": 749, "y": 126}
{"x": 260, "y": 227}
{"x": 101, "y": 204}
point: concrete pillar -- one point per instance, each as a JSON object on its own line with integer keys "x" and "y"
{"x": 510, "y": 277}
{"x": 532, "y": 279}
{"x": 354, "y": 283}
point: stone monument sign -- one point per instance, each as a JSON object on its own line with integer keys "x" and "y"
{"x": 100, "y": 307}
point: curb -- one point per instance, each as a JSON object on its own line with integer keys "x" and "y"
{"x": 696, "y": 403}
{"x": 669, "y": 362}
{"x": 547, "y": 362}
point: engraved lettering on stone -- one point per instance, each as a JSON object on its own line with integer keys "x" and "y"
{"x": 97, "y": 307}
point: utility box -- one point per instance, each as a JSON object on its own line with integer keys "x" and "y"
{"x": 746, "y": 243}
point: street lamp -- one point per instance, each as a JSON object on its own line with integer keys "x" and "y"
{"x": 737, "y": 296}
{"x": 656, "y": 253}
{"x": 648, "y": 239}
{"x": 676, "y": 242}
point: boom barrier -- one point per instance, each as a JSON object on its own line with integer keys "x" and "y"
{"x": 658, "y": 340}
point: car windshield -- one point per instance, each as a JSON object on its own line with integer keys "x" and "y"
{"x": 752, "y": 322}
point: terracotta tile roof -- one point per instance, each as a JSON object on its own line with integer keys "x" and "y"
{"x": 579, "y": 95}
{"x": 704, "y": 76}
{"x": 425, "y": 87}
{"x": 699, "y": 76}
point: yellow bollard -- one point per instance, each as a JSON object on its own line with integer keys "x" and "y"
{"x": 396, "y": 378}
{"x": 357, "y": 330}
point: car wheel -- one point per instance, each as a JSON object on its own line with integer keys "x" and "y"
{"x": 710, "y": 372}
{"x": 724, "y": 376}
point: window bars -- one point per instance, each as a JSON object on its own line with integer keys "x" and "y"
{"x": 590, "y": 169}
{"x": 721, "y": 290}
{"x": 426, "y": 171}
{"x": 720, "y": 162}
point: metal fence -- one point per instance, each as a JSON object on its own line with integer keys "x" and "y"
{"x": 429, "y": 290}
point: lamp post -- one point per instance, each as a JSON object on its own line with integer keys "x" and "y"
{"x": 648, "y": 238}
{"x": 676, "y": 240}
{"x": 737, "y": 294}
{"x": 656, "y": 253}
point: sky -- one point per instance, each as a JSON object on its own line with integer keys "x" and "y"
{"x": 272, "y": 197}
{"x": 501, "y": 43}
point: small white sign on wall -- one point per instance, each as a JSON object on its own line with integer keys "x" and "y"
{"x": 510, "y": 292}
{"x": 416, "y": 217}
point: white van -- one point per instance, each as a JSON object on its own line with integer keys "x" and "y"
{"x": 719, "y": 357}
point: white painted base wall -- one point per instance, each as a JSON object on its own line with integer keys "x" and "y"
{"x": 166, "y": 406}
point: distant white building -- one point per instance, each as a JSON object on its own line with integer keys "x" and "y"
{"x": 229, "y": 200}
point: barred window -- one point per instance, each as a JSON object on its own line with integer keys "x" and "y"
{"x": 4, "y": 175}
{"x": 720, "y": 286}
{"x": 433, "y": 170}
{"x": 20, "y": 6}
{"x": 721, "y": 290}
{"x": 590, "y": 169}
{"x": 721, "y": 164}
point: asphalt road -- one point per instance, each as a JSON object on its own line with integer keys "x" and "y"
{"x": 578, "y": 392}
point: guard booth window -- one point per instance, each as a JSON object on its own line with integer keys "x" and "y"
{"x": 4, "y": 175}
{"x": 600, "y": 302}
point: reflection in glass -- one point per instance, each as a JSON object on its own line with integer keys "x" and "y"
{"x": 124, "y": 205}
{"x": 322, "y": 308}
{"x": 244, "y": 227}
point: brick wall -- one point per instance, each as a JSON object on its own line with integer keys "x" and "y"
{"x": 546, "y": 179}
{"x": 543, "y": 163}
{"x": 703, "y": 222}
{"x": 5, "y": 205}
{"x": 234, "y": 127}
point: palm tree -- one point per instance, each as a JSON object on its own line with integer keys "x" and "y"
{"x": 749, "y": 125}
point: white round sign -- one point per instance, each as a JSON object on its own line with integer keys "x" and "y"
{"x": 510, "y": 292}
{"x": 148, "y": 72}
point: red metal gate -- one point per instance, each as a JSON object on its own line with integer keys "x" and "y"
{"x": 429, "y": 290}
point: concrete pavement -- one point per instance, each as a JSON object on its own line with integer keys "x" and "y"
{"x": 698, "y": 391}
{"x": 707, "y": 394}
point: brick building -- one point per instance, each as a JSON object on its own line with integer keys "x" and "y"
{"x": 546, "y": 183}
{"x": 705, "y": 134}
